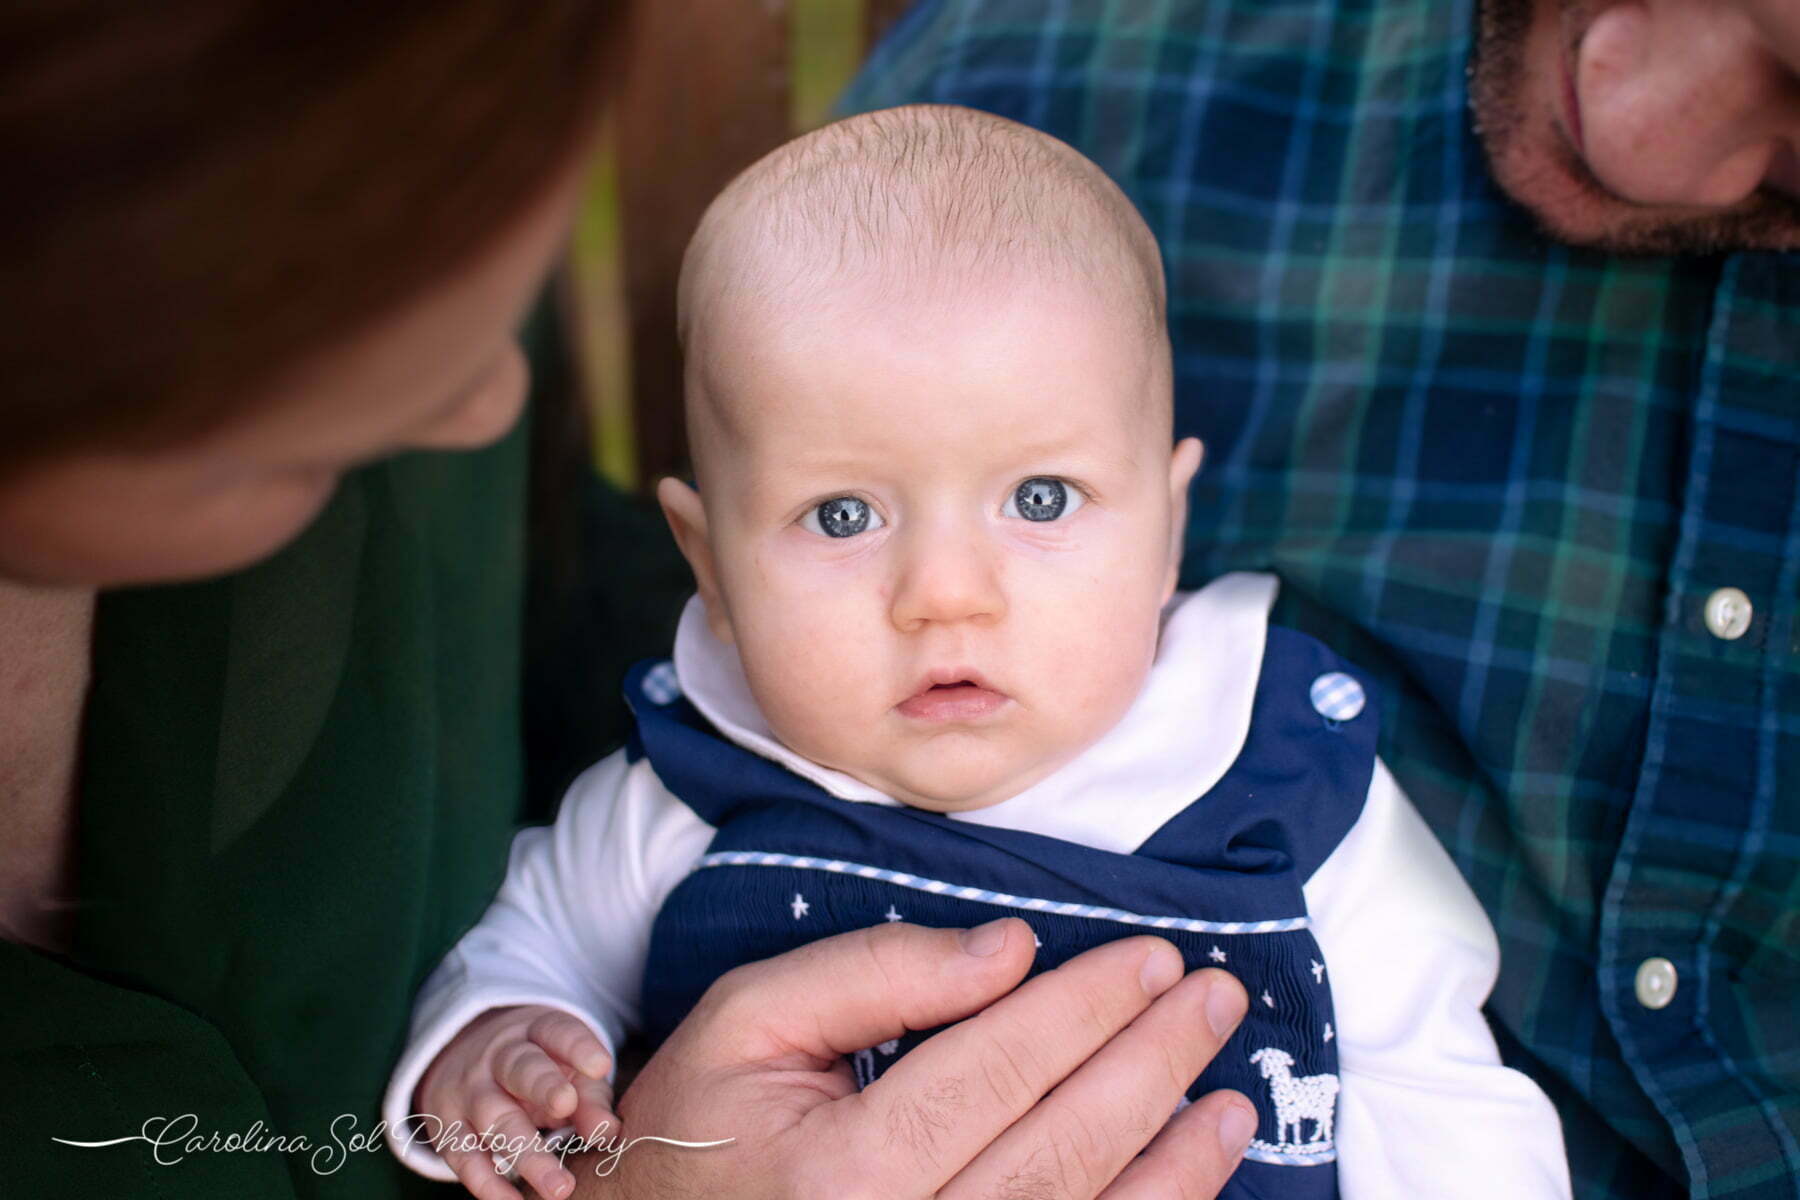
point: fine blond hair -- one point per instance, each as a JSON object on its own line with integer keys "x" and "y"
{"x": 925, "y": 192}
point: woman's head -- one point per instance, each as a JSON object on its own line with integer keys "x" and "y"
{"x": 249, "y": 246}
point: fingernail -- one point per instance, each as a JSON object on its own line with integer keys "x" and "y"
{"x": 1161, "y": 969}
{"x": 594, "y": 1066}
{"x": 565, "y": 1183}
{"x": 984, "y": 940}
{"x": 1224, "y": 1007}
{"x": 1236, "y": 1124}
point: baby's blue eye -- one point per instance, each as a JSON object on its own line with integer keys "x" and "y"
{"x": 841, "y": 517}
{"x": 1042, "y": 498}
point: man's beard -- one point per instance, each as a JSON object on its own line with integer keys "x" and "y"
{"x": 1766, "y": 220}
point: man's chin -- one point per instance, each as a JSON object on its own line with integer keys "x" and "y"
{"x": 1536, "y": 165}
{"x": 1571, "y": 206}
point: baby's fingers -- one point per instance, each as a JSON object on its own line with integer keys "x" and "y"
{"x": 571, "y": 1041}
{"x": 594, "y": 1119}
{"x": 519, "y": 1146}
{"x": 533, "y": 1079}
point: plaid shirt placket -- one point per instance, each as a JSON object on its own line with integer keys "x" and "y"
{"x": 1504, "y": 476}
{"x": 1705, "y": 876}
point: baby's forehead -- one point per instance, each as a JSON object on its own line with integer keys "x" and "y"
{"x": 803, "y": 310}
{"x": 988, "y": 364}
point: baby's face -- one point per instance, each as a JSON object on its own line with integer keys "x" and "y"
{"x": 940, "y": 536}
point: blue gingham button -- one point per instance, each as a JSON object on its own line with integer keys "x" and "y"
{"x": 661, "y": 685}
{"x": 1337, "y": 696}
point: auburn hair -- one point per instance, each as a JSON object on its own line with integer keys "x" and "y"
{"x": 200, "y": 192}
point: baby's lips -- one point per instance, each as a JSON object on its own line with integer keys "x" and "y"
{"x": 947, "y": 676}
{"x": 958, "y": 701}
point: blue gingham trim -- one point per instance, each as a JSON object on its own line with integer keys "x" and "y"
{"x": 661, "y": 685}
{"x": 1337, "y": 696}
{"x": 759, "y": 858}
{"x": 1263, "y": 1152}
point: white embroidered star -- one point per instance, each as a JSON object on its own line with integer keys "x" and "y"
{"x": 800, "y": 906}
{"x": 1268, "y": 999}
{"x": 1328, "y": 1034}
{"x": 889, "y": 1047}
{"x": 1216, "y": 954}
{"x": 892, "y": 914}
{"x": 1035, "y": 940}
{"x": 1318, "y": 970}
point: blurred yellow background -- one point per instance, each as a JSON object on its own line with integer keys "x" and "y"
{"x": 825, "y": 42}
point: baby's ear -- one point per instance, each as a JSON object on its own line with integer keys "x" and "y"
{"x": 687, "y": 521}
{"x": 1183, "y": 463}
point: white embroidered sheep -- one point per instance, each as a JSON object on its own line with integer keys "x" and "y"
{"x": 1311, "y": 1097}
{"x": 862, "y": 1063}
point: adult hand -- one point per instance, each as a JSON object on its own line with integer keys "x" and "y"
{"x": 1117, "y": 1032}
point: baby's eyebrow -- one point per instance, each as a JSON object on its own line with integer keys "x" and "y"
{"x": 806, "y": 473}
{"x": 780, "y": 488}
{"x": 1078, "y": 452}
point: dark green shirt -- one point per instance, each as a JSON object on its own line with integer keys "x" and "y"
{"x": 298, "y": 787}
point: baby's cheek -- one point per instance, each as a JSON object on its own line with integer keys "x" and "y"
{"x": 1115, "y": 656}
{"x": 813, "y": 690}
{"x": 1122, "y": 667}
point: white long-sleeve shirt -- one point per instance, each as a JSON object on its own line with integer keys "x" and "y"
{"x": 1425, "y": 1108}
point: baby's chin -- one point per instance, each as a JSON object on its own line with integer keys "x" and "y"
{"x": 947, "y": 785}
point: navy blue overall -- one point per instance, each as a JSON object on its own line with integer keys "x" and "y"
{"x": 1221, "y": 880}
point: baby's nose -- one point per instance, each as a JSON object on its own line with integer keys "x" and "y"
{"x": 947, "y": 576}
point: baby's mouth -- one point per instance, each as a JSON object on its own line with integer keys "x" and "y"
{"x": 951, "y": 700}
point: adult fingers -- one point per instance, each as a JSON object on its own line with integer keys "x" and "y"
{"x": 475, "y": 1171}
{"x": 1194, "y": 1154}
{"x": 855, "y": 990}
{"x": 535, "y": 1081}
{"x": 1081, "y": 1136}
{"x": 951, "y": 1097}
{"x": 569, "y": 1040}
{"x": 516, "y": 1141}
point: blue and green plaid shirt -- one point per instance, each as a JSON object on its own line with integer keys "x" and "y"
{"x": 1505, "y": 475}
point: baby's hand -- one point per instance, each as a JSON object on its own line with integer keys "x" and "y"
{"x": 509, "y": 1073}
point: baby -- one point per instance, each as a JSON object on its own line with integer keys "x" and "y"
{"x": 938, "y": 671}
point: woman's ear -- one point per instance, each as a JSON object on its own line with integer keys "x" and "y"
{"x": 1183, "y": 464}
{"x": 687, "y": 521}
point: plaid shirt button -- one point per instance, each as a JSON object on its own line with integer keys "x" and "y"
{"x": 1655, "y": 982}
{"x": 1728, "y": 613}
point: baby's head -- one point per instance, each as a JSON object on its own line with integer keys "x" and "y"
{"x": 928, "y": 395}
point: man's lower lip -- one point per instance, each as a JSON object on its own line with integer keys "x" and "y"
{"x": 1572, "y": 107}
{"x": 965, "y": 702}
